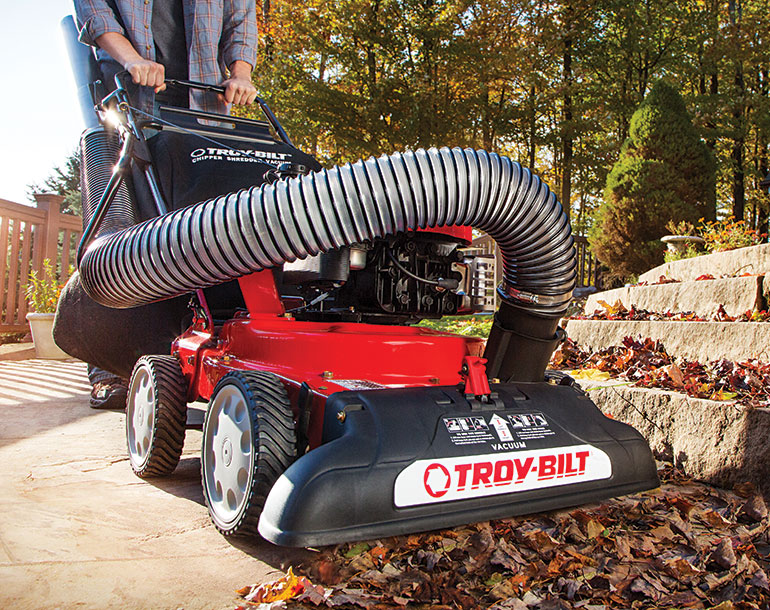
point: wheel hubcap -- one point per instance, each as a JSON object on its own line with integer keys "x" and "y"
{"x": 227, "y": 454}
{"x": 140, "y": 416}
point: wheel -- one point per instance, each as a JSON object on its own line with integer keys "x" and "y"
{"x": 248, "y": 442}
{"x": 156, "y": 415}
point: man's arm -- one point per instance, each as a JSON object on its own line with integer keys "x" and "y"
{"x": 100, "y": 28}
{"x": 143, "y": 71}
{"x": 239, "y": 49}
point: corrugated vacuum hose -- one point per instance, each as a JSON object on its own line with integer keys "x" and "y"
{"x": 240, "y": 233}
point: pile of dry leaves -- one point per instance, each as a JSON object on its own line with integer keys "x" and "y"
{"x": 646, "y": 363}
{"x": 618, "y": 311}
{"x": 685, "y": 545}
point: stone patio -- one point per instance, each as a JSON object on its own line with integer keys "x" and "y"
{"x": 79, "y": 530}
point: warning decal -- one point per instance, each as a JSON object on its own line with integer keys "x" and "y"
{"x": 459, "y": 478}
{"x": 530, "y": 426}
{"x": 468, "y": 430}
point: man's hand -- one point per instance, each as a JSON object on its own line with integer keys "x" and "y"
{"x": 238, "y": 88}
{"x": 143, "y": 71}
{"x": 147, "y": 73}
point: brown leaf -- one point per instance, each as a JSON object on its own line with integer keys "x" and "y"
{"x": 622, "y": 547}
{"x": 663, "y": 532}
{"x": 727, "y": 605}
{"x": 681, "y": 569}
{"x": 675, "y": 373}
{"x": 503, "y": 590}
{"x": 685, "y": 507}
{"x": 724, "y": 555}
{"x": 760, "y": 580}
{"x": 754, "y": 508}
{"x": 640, "y": 585}
{"x": 512, "y": 603}
{"x": 594, "y": 528}
{"x": 713, "y": 518}
{"x": 540, "y": 540}
{"x": 326, "y": 572}
{"x": 352, "y": 597}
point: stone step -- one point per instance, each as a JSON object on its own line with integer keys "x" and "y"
{"x": 754, "y": 260}
{"x": 701, "y": 341}
{"x": 737, "y": 295}
{"x": 717, "y": 442}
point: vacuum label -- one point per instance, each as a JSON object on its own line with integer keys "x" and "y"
{"x": 459, "y": 478}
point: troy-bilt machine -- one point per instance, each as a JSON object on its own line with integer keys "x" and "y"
{"x": 330, "y": 417}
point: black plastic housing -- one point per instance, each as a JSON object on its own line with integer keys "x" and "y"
{"x": 344, "y": 489}
{"x": 520, "y": 344}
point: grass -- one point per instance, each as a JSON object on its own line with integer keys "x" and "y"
{"x": 471, "y": 326}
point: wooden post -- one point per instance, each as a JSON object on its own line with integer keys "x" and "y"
{"x": 51, "y": 205}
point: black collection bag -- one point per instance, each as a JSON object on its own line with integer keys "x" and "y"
{"x": 189, "y": 169}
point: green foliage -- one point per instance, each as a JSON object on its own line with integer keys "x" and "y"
{"x": 665, "y": 173}
{"x": 728, "y": 234}
{"x": 680, "y": 228}
{"x": 690, "y": 251}
{"x": 43, "y": 292}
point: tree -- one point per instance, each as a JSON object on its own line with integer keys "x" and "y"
{"x": 665, "y": 172}
{"x": 65, "y": 181}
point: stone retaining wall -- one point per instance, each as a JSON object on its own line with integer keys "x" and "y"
{"x": 716, "y": 442}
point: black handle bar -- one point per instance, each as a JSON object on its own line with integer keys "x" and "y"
{"x": 190, "y": 84}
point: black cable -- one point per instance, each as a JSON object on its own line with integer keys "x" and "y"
{"x": 448, "y": 284}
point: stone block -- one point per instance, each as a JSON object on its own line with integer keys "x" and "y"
{"x": 717, "y": 442}
{"x": 738, "y": 295}
{"x": 754, "y": 260}
{"x": 701, "y": 341}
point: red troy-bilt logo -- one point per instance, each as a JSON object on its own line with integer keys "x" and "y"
{"x": 441, "y": 480}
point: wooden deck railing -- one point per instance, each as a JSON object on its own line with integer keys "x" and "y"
{"x": 32, "y": 235}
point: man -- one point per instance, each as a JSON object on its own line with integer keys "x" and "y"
{"x": 151, "y": 39}
{"x": 207, "y": 41}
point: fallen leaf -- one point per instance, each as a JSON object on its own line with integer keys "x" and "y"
{"x": 724, "y": 555}
{"x": 591, "y": 375}
{"x": 357, "y": 549}
{"x": 288, "y": 586}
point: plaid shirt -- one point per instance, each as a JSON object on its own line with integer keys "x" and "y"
{"x": 218, "y": 32}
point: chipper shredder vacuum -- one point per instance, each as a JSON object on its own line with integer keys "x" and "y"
{"x": 331, "y": 417}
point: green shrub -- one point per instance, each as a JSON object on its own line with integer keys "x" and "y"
{"x": 665, "y": 173}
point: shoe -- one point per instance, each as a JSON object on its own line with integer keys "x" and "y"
{"x": 109, "y": 396}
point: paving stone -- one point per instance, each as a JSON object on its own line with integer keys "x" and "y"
{"x": 716, "y": 442}
{"x": 738, "y": 295}
{"x": 754, "y": 260}
{"x": 700, "y": 341}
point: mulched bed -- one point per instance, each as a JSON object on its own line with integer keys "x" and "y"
{"x": 645, "y": 363}
{"x": 684, "y": 545}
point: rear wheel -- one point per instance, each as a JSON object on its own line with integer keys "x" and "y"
{"x": 248, "y": 442}
{"x": 156, "y": 415}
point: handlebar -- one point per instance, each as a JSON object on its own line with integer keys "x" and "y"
{"x": 195, "y": 85}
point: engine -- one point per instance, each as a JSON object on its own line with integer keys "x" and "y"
{"x": 392, "y": 281}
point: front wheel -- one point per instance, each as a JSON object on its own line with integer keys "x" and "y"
{"x": 248, "y": 442}
{"x": 156, "y": 415}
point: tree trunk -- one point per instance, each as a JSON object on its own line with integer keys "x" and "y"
{"x": 739, "y": 189}
{"x": 532, "y": 128}
{"x": 566, "y": 126}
